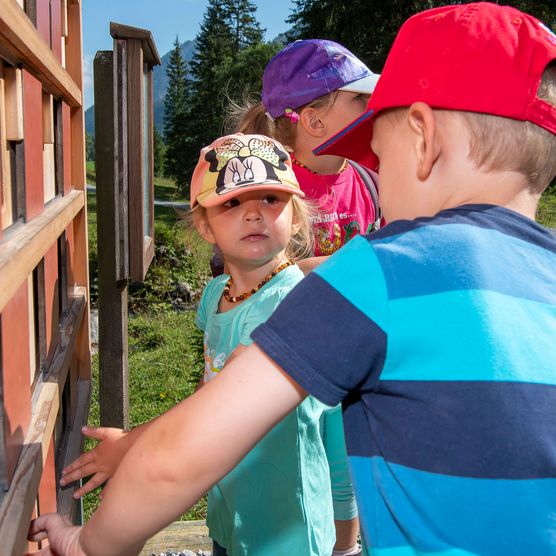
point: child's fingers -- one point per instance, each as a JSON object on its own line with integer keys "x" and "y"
{"x": 83, "y": 471}
{"x": 98, "y": 433}
{"x": 39, "y": 527}
{"x": 76, "y": 464}
{"x": 96, "y": 480}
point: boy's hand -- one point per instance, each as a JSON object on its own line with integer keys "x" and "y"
{"x": 101, "y": 462}
{"x": 63, "y": 536}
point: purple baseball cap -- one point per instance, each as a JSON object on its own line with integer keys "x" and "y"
{"x": 309, "y": 69}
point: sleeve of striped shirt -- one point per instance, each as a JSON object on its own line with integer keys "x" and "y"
{"x": 329, "y": 334}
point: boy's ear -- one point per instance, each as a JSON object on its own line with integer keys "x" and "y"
{"x": 422, "y": 121}
{"x": 202, "y": 225}
{"x": 312, "y": 124}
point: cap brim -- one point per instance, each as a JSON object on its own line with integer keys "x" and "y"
{"x": 365, "y": 85}
{"x": 353, "y": 142}
{"x": 213, "y": 199}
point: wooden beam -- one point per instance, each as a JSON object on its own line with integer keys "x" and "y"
{"x": 25, "y": 46}
{"x": 17, "y": 504}
{"x": 73, "y": 447}
{"x": 25, "y": 247}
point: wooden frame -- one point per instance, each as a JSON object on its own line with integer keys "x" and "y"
{"x": 23, "y": 250}
{"x": 141, "y": 56}
{"x": 16, "y": 506}
{"x": 22, "y": 44}
{"x": 46, "y": 418}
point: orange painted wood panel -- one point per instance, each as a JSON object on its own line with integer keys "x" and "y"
{"x": 56, "y": 19}
{"x": 51, "y": 298}
{"x": 47, "y": 486}
{"x": 43, "y": 20}
{"x": 32, "y": 122}
{"x": 66, "y": 126}
{"x": 15, "y": 373}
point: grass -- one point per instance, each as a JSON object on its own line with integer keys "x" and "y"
{"x": 165, "y": 363}
{"x": 546, "y": 213}
{"x": 165, "y": 346}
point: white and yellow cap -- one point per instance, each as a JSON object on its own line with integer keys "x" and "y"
{"x": 237, "y": 163}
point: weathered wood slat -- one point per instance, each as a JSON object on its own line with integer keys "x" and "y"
{"x": 72, "y": 449}
{"x": 25, "y": 247}
{"x": 17, "y": 504}
{"x": 180, "y": 535}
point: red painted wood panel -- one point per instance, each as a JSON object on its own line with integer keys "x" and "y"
{"x": 16, "y": 373}
{"x": 47, "y": 486}
{"x": 56, "y": 19}
{"x": 43, "y": 20}
{"x": 66, "y": 127}
{"x": 51, "y": 295}
{"x": 32, "y": 123}
{"x": 70, "y": 256}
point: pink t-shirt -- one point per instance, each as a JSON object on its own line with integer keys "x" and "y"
{"x": 344, "y": 205}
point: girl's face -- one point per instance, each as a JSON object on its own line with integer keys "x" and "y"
{"x": 346, "y": 108}
{"x": 252, "y": 228}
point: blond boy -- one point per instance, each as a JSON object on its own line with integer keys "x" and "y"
{"x": 441, "y": 346}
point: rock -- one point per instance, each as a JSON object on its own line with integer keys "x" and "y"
{"x": 185, "y": 291}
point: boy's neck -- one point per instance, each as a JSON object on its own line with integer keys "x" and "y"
{"x": 504, "y": 189}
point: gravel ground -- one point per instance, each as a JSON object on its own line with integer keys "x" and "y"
{"x": 184, "y": 553}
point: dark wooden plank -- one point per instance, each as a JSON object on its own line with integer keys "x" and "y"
{"x": 113, "y": 348}
{"x": 71, "y": 448}
{"x": 136, "y": 121}
{"x": 121, "y": 190}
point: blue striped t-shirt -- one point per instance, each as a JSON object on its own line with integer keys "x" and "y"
{"x": 439, "y": 337}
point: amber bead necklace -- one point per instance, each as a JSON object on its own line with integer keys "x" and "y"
{"x": 249, "y": 293}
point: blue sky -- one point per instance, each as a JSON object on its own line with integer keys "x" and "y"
{"x": 165, "y": 19}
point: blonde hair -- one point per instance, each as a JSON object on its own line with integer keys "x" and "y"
{"x": 301, "y": 244}
{"x": 251, "y": 117}
{"x": 499, "y": 144}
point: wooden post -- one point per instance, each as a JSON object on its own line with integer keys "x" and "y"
{"x": 111, "y": 172}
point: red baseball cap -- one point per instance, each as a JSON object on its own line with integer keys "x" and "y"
{"x": 477, "y": 57}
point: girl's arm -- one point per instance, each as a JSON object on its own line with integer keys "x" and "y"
{"x": 102, "y": 461}
{"x": 163, "y": 468}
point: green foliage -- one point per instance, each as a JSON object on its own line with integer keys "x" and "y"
{"x": 89, "y": 147}
{"x": 175, "y": 109}
{"x": 180, "y": 257}
{"x": 228, "y": 29}
{"x": 159, "y": 153}
{"x": 243, "y": 75}
{"x": 368, "y": 27}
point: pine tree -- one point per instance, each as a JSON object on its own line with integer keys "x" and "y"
{"x": 159, "y": 153}
{"x": 246, "y": 30}
{"x": 228, "y": 28}
{"x": 368, "y": 27}
{"x": 175, "y": 110}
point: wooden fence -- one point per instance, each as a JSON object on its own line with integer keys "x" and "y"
{"x": 45, "y": 360}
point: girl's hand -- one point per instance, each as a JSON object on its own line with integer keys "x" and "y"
{"x": 62, "y": 535}
{"x": 101, "y": 462}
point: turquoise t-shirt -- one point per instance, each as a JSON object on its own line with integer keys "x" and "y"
{"x": 277, "y": 500}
